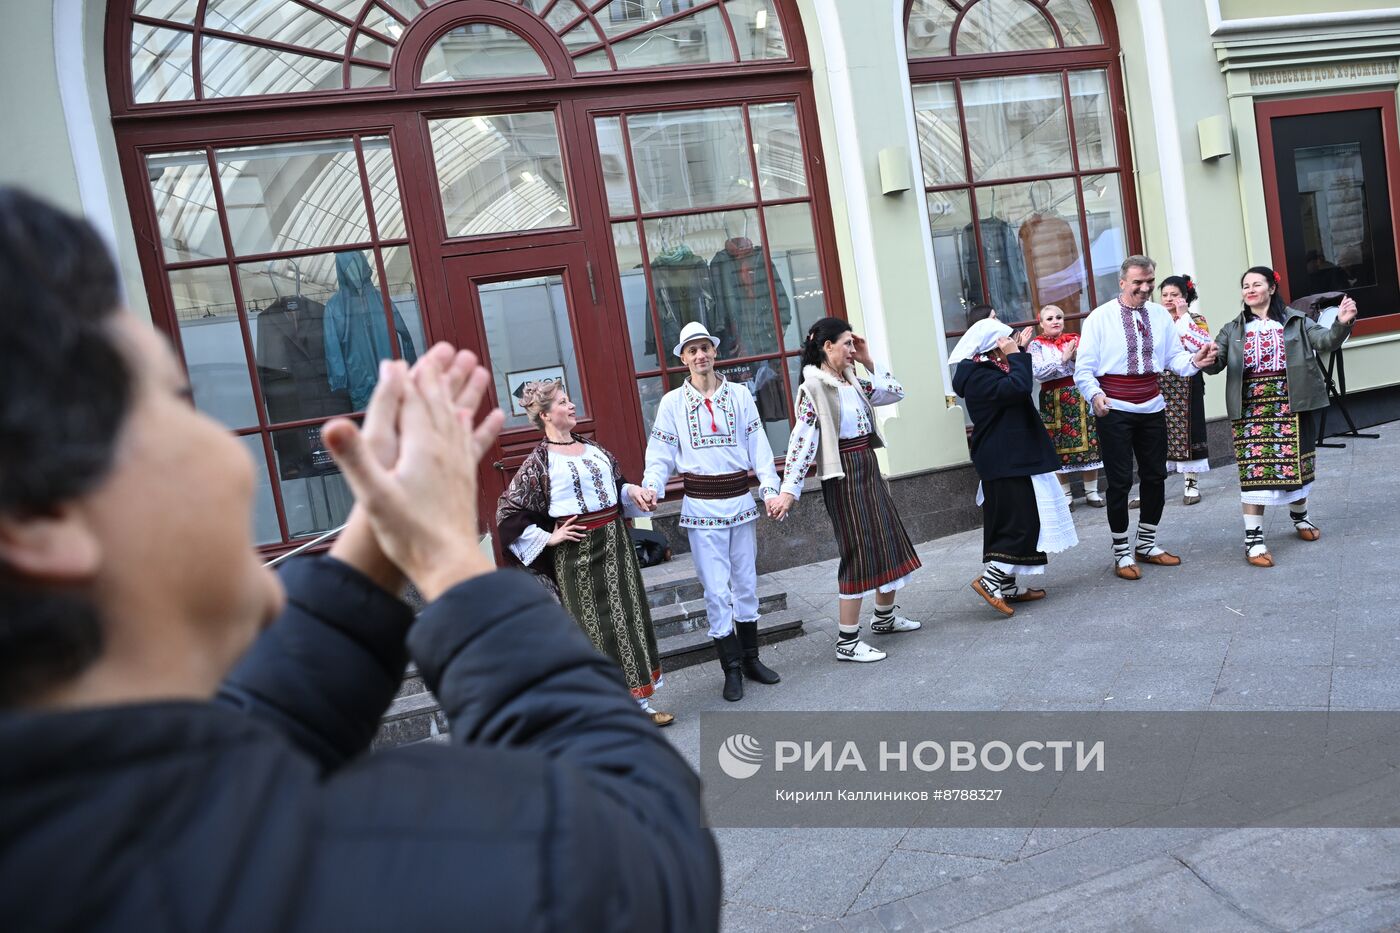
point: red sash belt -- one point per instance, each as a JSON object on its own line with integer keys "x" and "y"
{"x": 1131, "y": 389}
{"x": 723, "y": 486}
{"x": 1056, "y": 384}
{"x": 590, "y": 520}
{"x": 855, "y": 443}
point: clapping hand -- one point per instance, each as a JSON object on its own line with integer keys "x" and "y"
{"x": 1007, "y": 345}
{"x": 1025, "y": 336}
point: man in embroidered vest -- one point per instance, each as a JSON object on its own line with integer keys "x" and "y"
{"x": 1123, "y": 347}
{"x": 709, "y": 431}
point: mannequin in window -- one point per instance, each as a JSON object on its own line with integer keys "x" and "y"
{"x": 1054, "y": 269}
{"x": 1003, "y": 262}
{"x": 292, "y": 371}
{"x": 681, "y": 282}
{"x": 746, "y": 284}
{"x": 356, "y": 335}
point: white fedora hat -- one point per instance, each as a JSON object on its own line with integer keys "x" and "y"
{"x": 693, "y": 331}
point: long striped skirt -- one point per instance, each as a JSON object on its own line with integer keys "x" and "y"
{"x": 1073, "y": 432}
{"x": 1187, "y": 451}
{"x": 876, "y": 553}
{"x": 600, "y": 584}
{"x": 1274, "y": 446}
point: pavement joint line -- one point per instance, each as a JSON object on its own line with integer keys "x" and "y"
{"x": 1225, "y": 898}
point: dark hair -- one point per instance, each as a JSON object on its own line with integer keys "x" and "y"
{"x": 1276, "y": 306}
{"x": 64, "y": 392}
{"x": 1183, "y": 284}
{"x": 978, "y": 313}
{"x": 827, "y": 329}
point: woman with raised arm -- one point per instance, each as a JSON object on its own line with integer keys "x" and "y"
{"x": 1187, "y": 450}
{"x": 1066, "y": 416}
{"x": 561, "y": 518}
{"x": 837, "y": 430}
{"x": 1273, "y": 387}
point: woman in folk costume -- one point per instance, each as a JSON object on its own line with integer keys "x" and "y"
{"x": 1273, "y": 386}
{"x": 561, "y": 518}
{"x": 1187, "y": 451}
{"x": 1024, "y": 514}
{"x": 836, "y": 429}
{"x": 1072, "y": 427}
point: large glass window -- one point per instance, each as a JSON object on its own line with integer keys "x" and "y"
{"x": 714, "y": 245}
{"x": 1026, "y": 193}
{"x": 287, "y": 292}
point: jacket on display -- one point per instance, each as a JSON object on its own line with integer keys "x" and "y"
{"x": 356, "y": 334}
{"x": 681, "y": 281}
{"x": 1055, "y": 271}
{"x": 745, "y": 286}
{"x": 292, "y": 370}
{"x": 555, "y": 804}
{"x": 1004, "y": 265}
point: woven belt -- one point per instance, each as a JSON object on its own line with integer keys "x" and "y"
{"x": 590, "y": 520}
{"x": 855, "y": 443}
{"x": 1056, "y": 384}
{"x": 1131, "y": 389}
{"x": 723, "y": 486}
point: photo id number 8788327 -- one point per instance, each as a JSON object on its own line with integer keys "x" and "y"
{"x": 963, "y": 793}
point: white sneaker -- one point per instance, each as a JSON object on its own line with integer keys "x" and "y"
{"x": 858, "y": 651}
{"x": 896, "y": 624}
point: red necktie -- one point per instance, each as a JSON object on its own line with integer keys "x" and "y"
{"x": 711, "y": 409}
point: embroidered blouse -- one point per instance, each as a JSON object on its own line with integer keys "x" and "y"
{"x": 1263, "y": 346}
{"x": 1048, "y": 357}
{"x": 1193, "y": 331}
{"x": 578, "y": 483}
{"x": 710, "y": 437}
{"x": 880, "y": 388}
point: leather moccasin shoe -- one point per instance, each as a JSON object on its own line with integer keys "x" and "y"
{"x": 1161, "y": 560}
{"x": 1130, "y": 572}
{"x": 1310, "y": 534}
{"x": 1260, "y": 560}
{"x": 662, "y": 719}
{"x": 1026, "y": 596}
{"x": 996, "y": 602}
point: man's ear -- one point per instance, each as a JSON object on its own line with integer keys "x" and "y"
{"x": 57, "y": 547}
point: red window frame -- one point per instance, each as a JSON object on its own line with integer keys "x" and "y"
{"x": 957, "y": 68}
{"x": 401, "y": 110}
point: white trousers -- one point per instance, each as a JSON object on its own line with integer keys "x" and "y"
{"x": 726, "y": 563}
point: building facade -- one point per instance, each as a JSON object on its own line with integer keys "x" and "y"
{"x": 297, "y": 188}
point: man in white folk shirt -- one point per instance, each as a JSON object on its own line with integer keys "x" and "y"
{"x": 1123, "y": 346}
{"x": 708, "y": 430}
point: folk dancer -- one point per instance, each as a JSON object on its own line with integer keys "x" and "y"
{"x": 1187, "y": 450}
{"x": 709, "y": 431}
{"x": 1063, "y": 410}
{"x": 1125, "y": 344}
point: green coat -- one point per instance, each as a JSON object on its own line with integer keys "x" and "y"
{"x": 1307, "y": 389}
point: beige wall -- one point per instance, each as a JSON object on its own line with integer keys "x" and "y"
{"x": 1250, "y": 9}
{"x": 35, "y": 155}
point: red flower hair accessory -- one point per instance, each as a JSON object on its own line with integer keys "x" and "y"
{"x": 1277, "y": 280}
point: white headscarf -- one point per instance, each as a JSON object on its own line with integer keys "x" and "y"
{"x": 980, "y": 338}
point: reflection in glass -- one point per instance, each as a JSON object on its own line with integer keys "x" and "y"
{"x": 764, "y": 380}
{"x": 955, "y": 258}
{"x": 236, "y": 69}
{"x": 1108, "y": 235}
{"x": 529, "y": 337}
{"x": 213, "y": 345}
{"x": 697, "y": 39}
{"x": 757, "y": 29}
{"x": 403, "y": 295}
{"x": 478, "y": 51}
{"x": 940, "y": 135}
{"x": 930, "y": 29}
{"x": 581, "y": 36}
{"x": 1335, "y": 227}
{"x": 641, "y": 330}
{"x": 383, "y": 187}
{"x": 160, "y": 64}
{"x": 778, "y": 145}
{"x": 290, "y": 196}
{"x": 616, "y": 179}
{"x": 1016, "y": 126}
{"x": 690, "y": 159}
{"x": 315, "y": 496}
{"x": 596, "y": 60}
{"x": 1004, "y": 26}
{"x": 356, "y": 333}
{"x": 361, "y": 76}
{"x": 619, "y": 16}
{"x": 562, "y": 14}
{"x": 184, "y": 200}
{"x": 278, "y": 21}
{"x": 793, "y": 248}
{"x": 265, "y": 527}
{"x": 177, "y": 11}
{"x": 1031, "y": 248}
{"x": 650, "y": 391}
{"x": 1093, "y": 119}
{"x": 1077, "y": 22}
{"x": 371, "y": 49}
{"x": 500, "y": 174}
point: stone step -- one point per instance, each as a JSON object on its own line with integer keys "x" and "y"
{"x": 672, "y": 582}
{"x": 696, "y": 647}
{"x": 687, "y": 616}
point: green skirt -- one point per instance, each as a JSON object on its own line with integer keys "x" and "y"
{"x": 600, "y": 585}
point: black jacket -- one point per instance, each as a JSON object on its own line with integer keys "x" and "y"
{"x": 557, "y": 805}
{"x": 1008, "y": 437}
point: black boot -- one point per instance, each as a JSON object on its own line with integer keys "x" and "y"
{"x": 754, "y": 669}
{"x": 730, "y": 659}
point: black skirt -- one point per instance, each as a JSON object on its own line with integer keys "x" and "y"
{"x": 1011, "y": 522}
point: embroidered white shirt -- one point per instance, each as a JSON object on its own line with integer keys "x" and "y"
{"x": 577, "y": 484}
{"x": 724, "y": 436}
{"x": 880, "y": 388}
{"x": 1048, "y": 362}
{"x": 1147, "y": 343}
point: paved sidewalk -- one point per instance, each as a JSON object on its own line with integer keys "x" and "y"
{"x": 1318, "y": 631}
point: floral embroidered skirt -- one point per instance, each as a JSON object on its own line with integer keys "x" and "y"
{"x": 600, "y": 584}
{"x": 1073, "y": 431}
{"x": 1274, "y": 446}
{"x": 1186, "y": 423}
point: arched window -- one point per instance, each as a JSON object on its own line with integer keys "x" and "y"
{"x": 559, "y": 185}
{"x": 1023, "y": 140}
